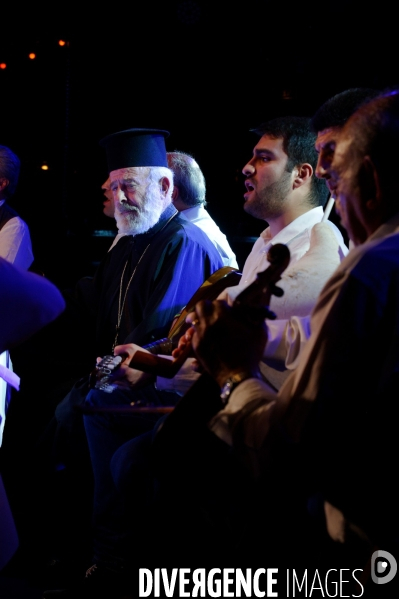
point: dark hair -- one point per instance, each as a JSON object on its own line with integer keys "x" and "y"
{"x": 337, "y": 110}
{"x": 299, "y": 145}
{"x": 374, "y": 132}
{"x": 187, "y": 177}
{"x": 10, "y": 166}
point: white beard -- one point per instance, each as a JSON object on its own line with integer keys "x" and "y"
{"x": 132, "y": 220}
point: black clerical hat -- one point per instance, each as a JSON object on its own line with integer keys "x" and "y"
{"x": 135, "y": 147}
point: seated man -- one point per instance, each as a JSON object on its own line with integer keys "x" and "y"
{"x": 142, "y": 283}
{"x": 288, "y": 334}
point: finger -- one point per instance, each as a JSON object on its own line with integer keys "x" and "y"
{"x": 127, "y": 351}
{"x": 191, "y": 317}
{"x": 188, "y": 335}
{"x": 179, "y": 350}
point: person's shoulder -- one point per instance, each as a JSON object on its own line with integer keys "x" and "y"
{"x": 9, "y": 210}
{"x": 190, "y": 231}
{"x": 375, "y": 263}
{"x": 378, "y": 251}
{"x": 189, "y": 235}
{"x": 338, "y": 236}
{"x": 22, "y": 225}
{"x": 15, "y": 221}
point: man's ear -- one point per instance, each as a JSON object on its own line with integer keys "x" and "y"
{"x": 164, "y": 184}
{"x": 304, "y": 172}
{"x": 369, "y": 184}
{"x": 175, "y": 193}
{"x": 3, "y": 183}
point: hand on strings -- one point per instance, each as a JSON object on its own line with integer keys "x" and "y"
{"x": 127, "y": 377}
{"x": 184, "y": 349}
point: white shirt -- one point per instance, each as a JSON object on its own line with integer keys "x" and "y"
{"x": 15, "y": 242}
{"x": 311, "y": 264}
{"x": 200, "y": 217}
{"x": 296, "y": 236}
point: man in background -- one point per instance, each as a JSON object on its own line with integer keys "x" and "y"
{"x": 15, "y": 246}
{"x": 188, "y": 197}
{"x": 108, "y": 203}
{"x": 109, "y": 207}
{"x": 15, "y": 242}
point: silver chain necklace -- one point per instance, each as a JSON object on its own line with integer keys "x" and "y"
{"x": 121, "y": 303}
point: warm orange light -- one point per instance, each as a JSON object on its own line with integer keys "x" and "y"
{"x": 61, "y": 43}
{"x": 44, "y": 167}
{"x": 32, "y": 56}
{"x": 3, "y": 65}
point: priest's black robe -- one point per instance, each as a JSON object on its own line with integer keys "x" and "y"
{"x": 169, "y": 262}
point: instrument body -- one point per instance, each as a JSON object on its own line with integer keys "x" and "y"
{"x": 252, "y": 304}
{"x": 152, "y": 362}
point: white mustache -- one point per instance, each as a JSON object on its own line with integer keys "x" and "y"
{"x": 126, "y": 208}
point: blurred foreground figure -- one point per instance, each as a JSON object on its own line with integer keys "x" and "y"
{"x": 27, "y": 303}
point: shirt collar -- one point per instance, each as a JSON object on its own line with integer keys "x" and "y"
{"x": 193, "y": 212}
{"x": 296, "y": 227}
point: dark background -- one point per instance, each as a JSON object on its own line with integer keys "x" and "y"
{"x": 207, "y": 72}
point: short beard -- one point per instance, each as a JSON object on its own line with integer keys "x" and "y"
{"x": 131, "y": 220}
{"x": 270, "y": 201}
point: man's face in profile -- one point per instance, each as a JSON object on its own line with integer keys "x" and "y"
{"x": 344, "y": 171}
{"x": 268, "y": 182}
{"x": 325, "y": 147}
{"x": 108, "y": 203}
{"x": 138, "y": 199}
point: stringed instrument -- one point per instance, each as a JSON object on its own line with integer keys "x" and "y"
{"x": 224, "y": 277}
{"x": 185, "y": 424}
{"x": 251, "y": 303}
